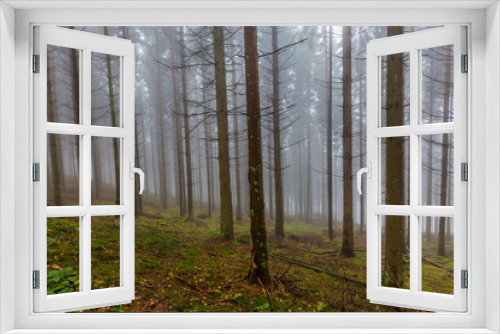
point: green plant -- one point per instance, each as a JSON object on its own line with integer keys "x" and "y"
{"x": 61, "y": 281}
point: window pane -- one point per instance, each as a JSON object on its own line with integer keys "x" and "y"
{"x": 63, "y": 259}
{"x": 395, "y": 89}
{"x": 395, "y": 233}
{"x": 105, "y": 252}
{"x": 395, "y": 171}
{"x": 437, "y": 254}
{"x": 437, "y": 85}
{"x": 63, "y": 85}
{"x": 105, "y": 171}
{"x": 63, "y": 170}
{"x": 105, "y": 90}
{"x": 437, "y": 169}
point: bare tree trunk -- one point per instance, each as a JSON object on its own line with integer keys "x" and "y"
{"x": 259, "y": 265}
{"x": 429, "y": 160}
{"x": 278, "y": 178}
{"x": 53, "y": 143}
{"x": 226, "y": 206}
{"x": 270, "y": 173}
{"x": 75, "y": 89}
{"x": 198, "y": 166}
{"x": 112, "y": 109}
{"x": 329, "y": 130}
{"x": 445, "y": 151}
{"x": 348, "y": 227}
{"x": 309, "y": 162}
{"x": 207, "y": 148}
{"x": 239, "y": 215}
{"x": 187, "y": 129}
{"x": 178, "y": 126}
{"x": 394, "y": 236}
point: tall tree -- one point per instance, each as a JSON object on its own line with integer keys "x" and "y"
{"x": 394, "y": 229}
{"x": 259, "y": 265}
{"x": 114, "y": 122}
{"x": 236, "y": 129}
{"x": 445, "y": 151}
{"x": 348, "y": 227}
{"x": 206, "y": 125}
{"x": 178, "y": 133}
{"x": 329, "y": 130}
{"x": 279, "y": 218}
{"x": 226, "y": 204}
{"x": 160, "y": 117}
{"x": 187, "y": 130}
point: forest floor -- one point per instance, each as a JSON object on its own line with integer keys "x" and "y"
{"x": 184, "y": 266}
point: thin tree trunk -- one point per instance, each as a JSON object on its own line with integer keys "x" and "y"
{"x": 309, "y": 162}
{"x": 259, "y": 264}
{"x": 270, "y": 172}
{"x": 278, "y": 178}
{"x": 394, "y": 235}
{"x": 187, "y": 129}
{"x": 348, "y": 226}
{"x": 178, "y": 133}
{"x": 207, "y": 147}
{"x": 226, "y": 203}
{"x": 114, "y": 123}
{"x": 430, "y": 159}
{"x": 445, "y": 149}
{"x": 329, "y": 130}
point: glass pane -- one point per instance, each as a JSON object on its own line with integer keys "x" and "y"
{"x": 437, "y": 254}
{"x": 395, "y": 171}
{"x": 105, "y": 171}
{"x": 395, "y": 233}
{"x": 63, "y": 170}
{"x": 395, "y": 99}
{"x": 63, "y": 259}
{"x": 105, "y": 252}
{"x": 437, "y": 169}
{"x": 63, "y": 85}
{"x": 437, "y": 85}
{"x": 105, "y": 89}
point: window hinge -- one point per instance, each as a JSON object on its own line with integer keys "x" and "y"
{"x": 36, "y": 63}
{"x": 36, "y": 172}
{"x": 465, "y": 279}
{"x": 465, "y": 64}
{"x": 464, "y": 171}
{"x": 36, "y": 279}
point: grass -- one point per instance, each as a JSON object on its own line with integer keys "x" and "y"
{"x": 185, "y": 266}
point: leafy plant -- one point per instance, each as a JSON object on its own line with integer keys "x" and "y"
{"x": 61, "y": 281}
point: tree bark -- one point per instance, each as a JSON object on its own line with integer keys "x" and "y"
{"x": 259, "y": 264}
{"x": 394, "y": 235}
{"x": 114, "y": 123}
{"x": 207, "y": 146}
{"x": 279, "y": 220}
{"x": 226, "y": 203}
{"x": 329, "y": 130}
{"x": 187, "y": 129}
{"x": 445, "y": 149}
{"x": 348, "y": 227}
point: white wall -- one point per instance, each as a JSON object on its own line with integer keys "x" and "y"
{"x": 7, "y": 159}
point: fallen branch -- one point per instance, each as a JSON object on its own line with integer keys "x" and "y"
{"x": 320, "y": 270}
{"x": 426, "y": 260}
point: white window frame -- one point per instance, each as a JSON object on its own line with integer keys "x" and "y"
{"x": 85, "y": 43}
{"x": 483, "y": 21}
{"x": 414, "y": 43}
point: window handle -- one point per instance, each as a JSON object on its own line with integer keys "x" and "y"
{"x": 141, "y": 176}
{"x": 368, "y": 171}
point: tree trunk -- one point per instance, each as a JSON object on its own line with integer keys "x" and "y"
{"x": 329, "y": 130}
{"x": 259, "y": 265}
{"x": 114, "y": 123}
{"x": 239, "y": 215}
{"x": 348, "y": 227}
{"x": 226, "y": 204}
{"x": 394, "y": 235}
{"x": 178, "y": 133}
{"x": 74, "y": 58}
{"x": 445, "y": 149}
{"x": 429, "y": 159}
{"x": 309, "y": 162}
{"x": 187, "y": 129}
{"x": 270, "y": 173}
{"x": 278, "y": 178}
{"x": 207, "y": 146}
{"x": 52, "y": 141}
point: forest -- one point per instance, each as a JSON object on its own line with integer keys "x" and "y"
{"x": 250, "y": 138}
